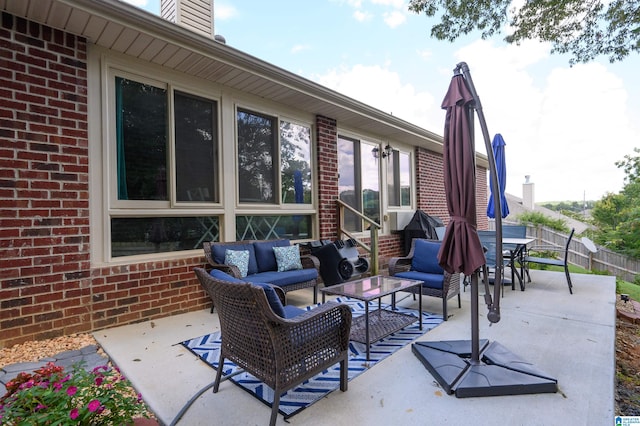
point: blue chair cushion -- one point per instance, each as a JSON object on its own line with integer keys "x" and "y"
{"x": 219, "y": 251}
{"x": 272, "y": 296}
{"x": 273, "y": 299}
{"x": 425, "y": 257}
{"x": 282, "y": 279}
{"x": 291, "y": 311}
{"x": 221, "y": 275}
{"x": 265, "y": 256}
{"x": 435, "y": 281}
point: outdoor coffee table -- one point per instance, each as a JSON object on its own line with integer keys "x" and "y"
{"x": 373, "y": 326}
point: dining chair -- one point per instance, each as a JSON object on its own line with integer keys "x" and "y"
{"x": 552, "y": 261}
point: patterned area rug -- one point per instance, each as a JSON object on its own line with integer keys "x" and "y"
{"x": 207, "y": 348}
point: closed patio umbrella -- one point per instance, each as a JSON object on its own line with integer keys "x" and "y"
{"x": 461, "y": 250}
{"x": 497, "y": 371}
{"x": 497, "y": 146}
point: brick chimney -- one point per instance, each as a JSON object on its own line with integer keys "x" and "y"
{"x": 528, "y": 194}
{"x": 196, "y": 15}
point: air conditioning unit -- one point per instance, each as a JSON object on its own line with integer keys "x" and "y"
{"x": 398, "y": 220}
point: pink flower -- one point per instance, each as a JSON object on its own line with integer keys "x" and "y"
{"x": 74, "y": 414}
{"x": 98, "y": 381}
{"x": 94, "y": 405}
{"x": 72, "y": 390}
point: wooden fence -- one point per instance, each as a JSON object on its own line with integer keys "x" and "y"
{"x": 623, "y": 267}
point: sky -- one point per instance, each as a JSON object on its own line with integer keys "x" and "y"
{"x": 564, "y": 126}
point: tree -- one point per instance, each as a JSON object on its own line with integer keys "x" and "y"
{"x": 618, "y": 215}
{"x": 586, "y": 29}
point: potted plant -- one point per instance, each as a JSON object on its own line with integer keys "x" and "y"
{"x": 53, "y": 396}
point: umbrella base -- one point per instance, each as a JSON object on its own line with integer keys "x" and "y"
{"x": 499, "y": 371}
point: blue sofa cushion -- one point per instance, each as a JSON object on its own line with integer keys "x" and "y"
{"x": 265, "y": 256}
{"x": 219, "y": 250}
{"x": 425, "y": 257}
{"x": 282, "y": 279}
{"x": 435, "y": 281}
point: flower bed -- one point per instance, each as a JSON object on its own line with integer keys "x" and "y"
{"x": 52, "y": 395}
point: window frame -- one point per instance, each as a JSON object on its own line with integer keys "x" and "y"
{"x": 115, "y": 208}
{"x": 397, "y": 179}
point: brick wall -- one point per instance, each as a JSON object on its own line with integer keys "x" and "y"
{"x": 327, "y": 154}
{"x": 47, "y": 286}
{"x": 430, "y": 190}
{"x": 44, "y": 218}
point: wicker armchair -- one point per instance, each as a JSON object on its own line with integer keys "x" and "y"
{"x": 281, "y": 352}
{"x": 440, "y": 283}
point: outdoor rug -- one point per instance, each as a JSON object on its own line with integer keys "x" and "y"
{"x": 207, "y": 348}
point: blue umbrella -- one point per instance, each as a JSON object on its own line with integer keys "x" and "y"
{"x": 501, "y": 170}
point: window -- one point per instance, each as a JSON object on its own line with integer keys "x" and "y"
{"x": 256, "y": 148}
{"x": 159, "y": 174}
{"x": 195, "y": 147}
{"x": 265, "y": 141}
{"x": 358, "y": 181}
{"x": 295, "y": 160}
{"x": 141, "y": 128}
{"x": 399, "y": 179}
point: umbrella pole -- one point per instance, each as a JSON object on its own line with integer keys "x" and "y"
{"x": 475, "y": 323}
{"x": 494, "y": 305}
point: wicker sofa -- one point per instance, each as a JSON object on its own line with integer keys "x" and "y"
{"x": 263, "y": 265}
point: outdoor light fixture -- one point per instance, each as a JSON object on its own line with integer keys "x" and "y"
{"x": 386, "y": 152}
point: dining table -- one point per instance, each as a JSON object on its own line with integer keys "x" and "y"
{"x": 517, "y": 248}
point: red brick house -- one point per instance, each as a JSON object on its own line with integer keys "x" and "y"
{"x": 126, "y": 140}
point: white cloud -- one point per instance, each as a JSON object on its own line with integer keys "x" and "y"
{"x": 225, "y": 11}
{"x": 566, "y": 131}
{"x": 424, "y": 53}
{"x": 138, "y": 3}
{"x": 383, "y": 89}
{"x": 361, "y": 16}
{"x": 299, "y": 48}
{"x": 398, "y": 4}
{"x": 395, "y": 18}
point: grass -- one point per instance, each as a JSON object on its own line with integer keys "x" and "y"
{"x": 622, "y": 287}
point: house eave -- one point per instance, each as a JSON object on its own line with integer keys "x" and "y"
{"x": 126, "y": 29}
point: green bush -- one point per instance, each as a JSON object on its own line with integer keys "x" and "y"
{"x": 537, "y": 218}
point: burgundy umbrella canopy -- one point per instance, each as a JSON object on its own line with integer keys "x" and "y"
{"x": 461, "y": 249}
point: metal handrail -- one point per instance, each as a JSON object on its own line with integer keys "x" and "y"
{"x": 374, "y": 227}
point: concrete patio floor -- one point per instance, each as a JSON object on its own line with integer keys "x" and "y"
{"x": 570, "y": 337}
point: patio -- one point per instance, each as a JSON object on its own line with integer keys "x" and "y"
{"x": 570, "y": 337}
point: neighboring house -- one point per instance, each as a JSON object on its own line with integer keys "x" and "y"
{"x": 517, "y": 206}
{"x": 126, "y": 140}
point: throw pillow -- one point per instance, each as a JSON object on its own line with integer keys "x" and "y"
{"x": 239, "y": 258}
{"x": 288, "y": 258}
